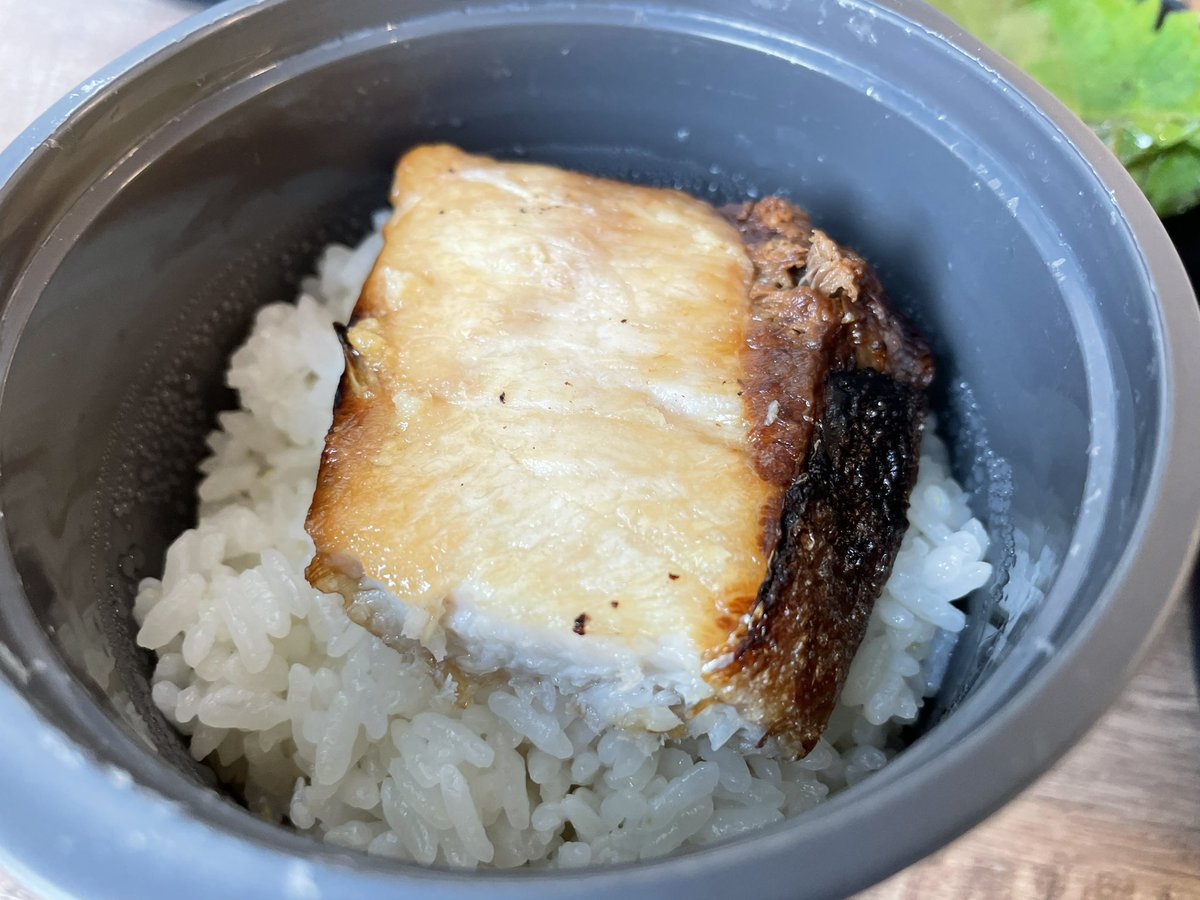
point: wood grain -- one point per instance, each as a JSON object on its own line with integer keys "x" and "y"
{"x": 1118, "y": 818}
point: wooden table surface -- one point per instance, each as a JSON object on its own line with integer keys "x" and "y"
{"x": 1119, "y": 817}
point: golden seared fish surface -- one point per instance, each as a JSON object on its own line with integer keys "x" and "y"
{"x": 577, "y": 432}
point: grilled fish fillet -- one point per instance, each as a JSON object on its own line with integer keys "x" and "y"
{"x": 613, "y": 435}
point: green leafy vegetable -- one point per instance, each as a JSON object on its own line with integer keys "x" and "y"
{"x": 1136, "y": 85}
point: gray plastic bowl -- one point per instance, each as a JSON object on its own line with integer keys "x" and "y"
{"x": 145, "y": 218}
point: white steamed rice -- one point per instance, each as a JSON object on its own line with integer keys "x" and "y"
{"x": 319, "y": 723}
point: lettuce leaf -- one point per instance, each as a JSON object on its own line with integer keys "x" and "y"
{"x": 1136, "y": 85}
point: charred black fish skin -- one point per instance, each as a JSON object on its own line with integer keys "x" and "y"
{"x": 421, "y": 450}
{"x": 842, "y": 525}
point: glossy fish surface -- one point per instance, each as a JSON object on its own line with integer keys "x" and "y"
{"x": 585, "y": 426}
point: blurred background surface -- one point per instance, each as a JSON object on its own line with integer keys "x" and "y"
{"x": 1119, "y": 817}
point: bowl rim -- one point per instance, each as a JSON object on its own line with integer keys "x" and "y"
{"x": 107, "y": 805}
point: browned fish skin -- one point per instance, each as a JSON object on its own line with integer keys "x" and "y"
{"x": 843, "y": 521}
{"x": 817, "y": 311}
{"x": 816, "y": 308}
{"x": 514, "y": 311}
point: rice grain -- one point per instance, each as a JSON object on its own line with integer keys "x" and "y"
{"x": 365, "y": 746}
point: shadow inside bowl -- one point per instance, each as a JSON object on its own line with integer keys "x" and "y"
{"x": 173, "y": 209}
